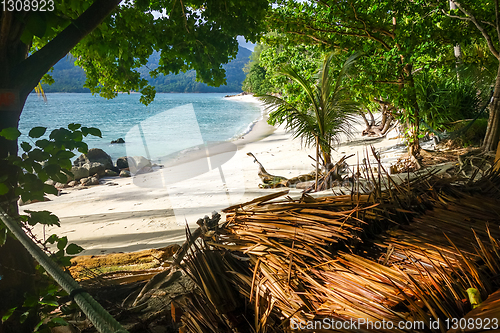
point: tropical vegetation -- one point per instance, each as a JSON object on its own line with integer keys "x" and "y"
{"x": 407, "y": 45}
{"x": 325, "y": 116}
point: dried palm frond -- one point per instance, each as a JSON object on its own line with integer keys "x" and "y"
{"x": 405, "y": 251}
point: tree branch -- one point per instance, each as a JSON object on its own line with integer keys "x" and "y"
{"x": 497, "y": 20}
{"x": 472, "y": 18}
{"x": 30, "y": 71}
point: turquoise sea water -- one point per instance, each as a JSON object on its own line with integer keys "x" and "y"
{"x": 172, "y": 123}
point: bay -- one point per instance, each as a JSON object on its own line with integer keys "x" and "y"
{"x": 176, "y": 120}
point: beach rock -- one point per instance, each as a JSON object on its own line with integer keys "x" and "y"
{"x": 79, "y": 172}
{"x": 72, "y": 183}
{"x": 49, "y": 182}
{"x": 60, "y": 185}
{"x": 96, "y": 168}
{"x": 95, "y": 155}
{"x": 122, "y": 162}
{"x": 89, "y": 181}
{"x": 110, "y": 173}
{"x": 125, "y": 173}
{"x": 88, "y": 169}
{"x": 93, "y": 181}
{"x": 139, "y": 164}
{"x": 120, "y": 140}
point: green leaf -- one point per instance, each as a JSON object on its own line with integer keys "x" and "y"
{"x": 92, "y": 131}
{"x": 74, "y": 126}
{"x": 52, "y": 239}
{"x": 36, "y": 24}
{"x": 59, "y": 321}
{"x": 50, "y": 302}
{"x": 62, "y": 242}
{"x": 9, "y": 313}
{"x": 37, "y": 132}
{"x": 42, "y": 143}
{"x": 10, "y": 133}
{"x": 42, "y": 217}
{"x": 26, "y": 146}
{"x": 73, "y": 249}
{"x": 4, "y": 189}
{"x": 50, "y": 189}
{"x": 64, "y": 154}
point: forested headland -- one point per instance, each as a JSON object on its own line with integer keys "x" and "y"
{"x": 70, "y": 78}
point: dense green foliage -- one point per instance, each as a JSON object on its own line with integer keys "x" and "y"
{"x": 444, "y": 99}
{"x": 70, "y": 78}
{"x": 256, "y": 80}
{"x": 409, "y": 58}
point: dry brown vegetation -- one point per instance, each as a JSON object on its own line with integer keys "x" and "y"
{"x": 406, "y": 252}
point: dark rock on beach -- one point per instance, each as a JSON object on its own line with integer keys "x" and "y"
{"x": 122, "y": 162}
{"x": 125, "y": 173}
{"x": 120, "y": 140}
{"x": 110, "y": 173}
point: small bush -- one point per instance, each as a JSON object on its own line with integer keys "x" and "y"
{"x": 474, "y": 135}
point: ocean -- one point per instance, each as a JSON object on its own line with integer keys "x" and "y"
{"x": 171, "y": 124}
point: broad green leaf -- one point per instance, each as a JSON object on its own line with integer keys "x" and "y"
{"x": 74, "y": 126}
{"x": 42, "y": 217}
{"x": 61, "y": 244}
{"x": 10, "y": 133}
{"x": 25, "y": 146}
{"x": 37, "y": 132}
{"x": 42, "y": 143}
{"x": 36, "y": 24}
{"x": 4, "y": 189}
{"x": 92, "y": 131}
{"x": 50, "y": 189}
{"x": 73, "y": 249}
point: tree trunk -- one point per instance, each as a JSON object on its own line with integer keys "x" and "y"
{"x": 317, "y": 164}
{"x": 491, "y": 138}
{"x": 17, "y": 267}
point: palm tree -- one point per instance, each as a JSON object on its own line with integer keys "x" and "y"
{"x": 326, "y": 113}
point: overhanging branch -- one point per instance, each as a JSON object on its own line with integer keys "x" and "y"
{"x": 30, "y": 71}
{"x": 472, "y": 18}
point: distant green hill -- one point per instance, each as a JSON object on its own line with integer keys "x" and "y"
{"x": 70, "y": 78}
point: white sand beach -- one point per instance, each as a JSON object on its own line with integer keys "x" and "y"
{"x": 151, "y": 210}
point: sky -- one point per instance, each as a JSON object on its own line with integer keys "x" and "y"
{"x": 244, "y": 43}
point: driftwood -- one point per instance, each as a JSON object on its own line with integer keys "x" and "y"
{"x": 379, "y": 130}
{"x": 270, "y": 181}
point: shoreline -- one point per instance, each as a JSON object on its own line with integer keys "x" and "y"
{"x": 130, "y": 214}
{"x": 151, "y": 210}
